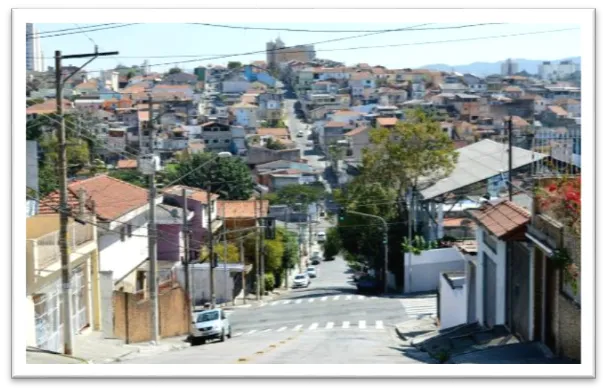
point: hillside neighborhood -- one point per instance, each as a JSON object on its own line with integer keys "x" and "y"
{"x": 438, "y": 210}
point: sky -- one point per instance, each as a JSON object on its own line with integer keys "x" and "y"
{"x": 189, "y": 45}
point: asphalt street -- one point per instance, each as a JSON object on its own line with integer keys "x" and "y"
{"x": 327, "y": 322}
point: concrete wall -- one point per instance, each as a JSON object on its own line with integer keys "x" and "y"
{"x": 499, "y": 258}
{"x": 261, "y": 155}
{"x": 169, "y": 241}
{"x": 119, "y": 256}
{"x": 452, "y": 304}
{"x": 106, "y": 286}
{"x": 427, "y": 266}
{"x": 132, "y": 315}
{"x": 30, "y": 325}
{"x": 200, "y": 282}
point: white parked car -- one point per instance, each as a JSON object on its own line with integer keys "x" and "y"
{"x": 301, "y": 280}
{"x": 210, "y": 324}
{"x": 321, "y": 236}
{"x": 300, "y": 133}
{"x": 312, "y": 272}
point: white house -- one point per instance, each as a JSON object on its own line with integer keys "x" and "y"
{"x": 486, "y": 275}
{"x": 122, "y": 224}
{"x": 237, "y": 84}
{"x": 345, "y": 116}
{"x": 246, "y": 114}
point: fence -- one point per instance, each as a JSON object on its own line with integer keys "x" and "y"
{"x": 132, "y": 316}
{"x": 48, "y": 245}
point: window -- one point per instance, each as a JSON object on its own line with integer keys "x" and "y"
{"x": 490, "y": 241}
{"x": 215, "y": 129}
{"x": 212, "y": 207}
{"x": 226, "y": 141}
{"x": 129, "y": 230}
{"x": 215, "y": 141}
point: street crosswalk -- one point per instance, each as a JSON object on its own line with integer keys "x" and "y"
{"x": 420, "y": 306}
{"x": 330, "y": 325}
{"x": 313, "y": 300}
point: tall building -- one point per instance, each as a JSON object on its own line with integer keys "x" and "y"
{"x": 550, "y": 71}
{"x": 33, "y": 53}
{"x": 277, "y": 52}
{"x": 509, "y": 67}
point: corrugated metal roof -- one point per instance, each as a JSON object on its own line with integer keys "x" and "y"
{"x": 479, "y": 162}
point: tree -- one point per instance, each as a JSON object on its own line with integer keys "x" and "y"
{"x": 296, "y": 194}
{"x": 130, "y": 74}
{"x": 134, "y": 177}
{"x": 332, "y": 245}
{"x": 33, "y": 101}
{"x": 48, "y": 169}
{"x": 273, "y": 144}
{"x": 234, "y": 64}
{"x": 272, "y": 197}
{"x": 291, "y": 248}
{"x": 228, "y": 177}
{"x": 233, "y": 253}
{"x": 175, "y": 70}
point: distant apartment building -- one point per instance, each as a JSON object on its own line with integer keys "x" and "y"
{"x": 550, "y": 71}
{"x": 33, "y": 54}
{"x": 509, "y": 67}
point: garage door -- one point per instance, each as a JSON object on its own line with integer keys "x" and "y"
{"x": 48, "y": 317}
{"x": 489, "y": 272}
{"x": 79, "y": 313}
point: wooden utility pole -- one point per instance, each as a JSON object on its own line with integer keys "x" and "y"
{"x": 152, "y": 233}
{"x": 66, "y": 272}
{"x": 244, "y": 272}
{"x": 186, "y": 250}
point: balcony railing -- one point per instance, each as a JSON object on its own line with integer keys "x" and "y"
{"x": 47, "y": 247}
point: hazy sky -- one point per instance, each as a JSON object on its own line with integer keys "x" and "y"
{"x": 169, "y": 43}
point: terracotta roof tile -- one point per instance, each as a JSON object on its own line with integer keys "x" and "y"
{"x": 195, "y": 193}
{"x": 356, "y": 131}
{"x": 387, "y": 121}
{"x": 335, "y": 124}
{"x": 113, "y": 197}
{"x": 559, "y": 111}
{"x": 502, "y": 218}
{"x": 127, "y": 164}
{"x": 273, "y": 132}
{"x": 46, "y": 107}
{"x": 242, "y": 209}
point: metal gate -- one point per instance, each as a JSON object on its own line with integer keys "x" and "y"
{"x": 79, "y": 310}
{"x": 47, "y": 310}
{"x": 489, "y": 305}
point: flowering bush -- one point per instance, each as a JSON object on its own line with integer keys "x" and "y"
{"x": 562, "y": 200}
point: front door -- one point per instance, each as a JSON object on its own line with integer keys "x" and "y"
{"x": 489, "y": 304}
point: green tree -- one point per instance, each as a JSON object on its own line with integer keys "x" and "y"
{"x": 134, "y": 177}
{"x": 273, "y": 144}
{"x": 33, "y": 101}
{"x": 332, "y": 245}
{"x": 234, "y": 64}
{"x": 272, "y": 197}
{"x": 48, "y": 170}
{"x": 300, "y": 195}
{"x": 228, "y": 177}
{"x": 175, "y": 70}
{"x": 130, "y": 74}
{"x": 233, "y": 253}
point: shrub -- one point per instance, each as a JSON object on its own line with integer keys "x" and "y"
{"x": 269, "y": 281}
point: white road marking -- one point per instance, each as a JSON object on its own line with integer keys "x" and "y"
{"x": 281, "y": 329}
{"x": 323, "y": 298}
{"x": 245, "y": 306}
{"x": 266, "y": 330}
{"x": 329, "y": 325}
{"x": 313, "y": 326}
{"x": 274, "y": 303}
{"x": 379, "y": 324}
{"x": 251, "y": 332}
{"x": 237, "y": 334}
{"x": 345, "y": 324}
{"x": 362, "y": 324}
{"x": 361, "y": 297}
{"x": 348, "y": 297}
{"x": 311, "y": 300}
{"x": 298, "y": 301}
{"x": 286, "y": 302}
{"x": 297, "y": 328}
{"x": 261, "y": 305}
{"x": 336, "y": 298}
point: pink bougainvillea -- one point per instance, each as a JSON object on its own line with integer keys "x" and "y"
{"x": 562, "y": 200}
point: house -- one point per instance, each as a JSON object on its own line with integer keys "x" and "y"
{"x": 475, "y": 83}
{"x": 198, "y": 202}
{"x": 358, "y": 139}
{"x": 361, "y": 79}
{"x": 554, "y": 116}
{"x": 169, "y": 223}
{"x": 345, "y": 116}
{"x": 269, "y": 106}
{"x": 180, "y": 78}
{"x": 241, "y": 214}
{"x": 331, "y": 132}
{"x": 502, "y": 248}
{"x": 235, "y": 83}
{"x": 572, "y": 106}
{"x": 44, "y": 292}
{"x": 324, "y": 87}
{"x": 391, "y": 96}
{"x": 216, "y": 136}
{"x": 453, "y": 88}
{"x": 513, "y": 92}
{"x": 246, "y": 114}
{"x": 281, "y": 134}
{"x": 386, "y": 122}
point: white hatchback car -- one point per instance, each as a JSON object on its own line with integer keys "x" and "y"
{"x": 210, "y": 324}
{"x": 312, "y": 273}
{"x": 301, "y": 280}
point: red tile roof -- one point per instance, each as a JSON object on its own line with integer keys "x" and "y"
{"x": 387, "y": 121}
{"x": 559, "y": 111}
{"x": 502, "y": 219}
{"x": 196, "y": 193}
{"x": 127, "y": 164}
{"x": 242, "y": 209}
{"x": 356, "y": 131}
{"x": 46, "y": 107}
{"x": 113, "y": 197}
{"x": 335, "y": 124}
{"x": 273, "y": 132}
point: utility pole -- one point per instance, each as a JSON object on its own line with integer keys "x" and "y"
{"x": 244, "y": 279}
{"x": 211, "y": 252}
{"x": 410, "y": 235}
{"x": 66, "y": 271}
{"x": 262, "y": 253}
{"x": 510, "y": 158}
{"x": 257, "y": 235}
{"x": 152, "y": 240}
{"x": 186, "y": 250}
{"x": 225, "y": 254}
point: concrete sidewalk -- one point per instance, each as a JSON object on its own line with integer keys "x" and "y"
{"x": 94, "y": 348}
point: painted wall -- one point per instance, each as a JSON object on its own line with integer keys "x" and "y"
{"x": 224, "y": 283}
{"x": 499, "y": 257}
{"x": 452, "y": 304}
{"x": 427, "y": 266}
{"x": 169, "y": 242}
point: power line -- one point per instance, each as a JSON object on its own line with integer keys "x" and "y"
{"x": 359, "y": 47}
{"x": 84, "y": 31}
{"x": 68, "y": 29}
{"x": 334, "y": 31}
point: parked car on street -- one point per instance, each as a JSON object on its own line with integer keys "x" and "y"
{"x": 367, "y": 285}
{"x": 210, "y": 324}
{"x": 321, "y": 236}
{"x": 301, "y": 280}
{"x": 311, "y": 272}
{"x": 300, "y": 133}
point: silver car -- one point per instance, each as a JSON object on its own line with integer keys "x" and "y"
{"x": 210, "y": 324}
